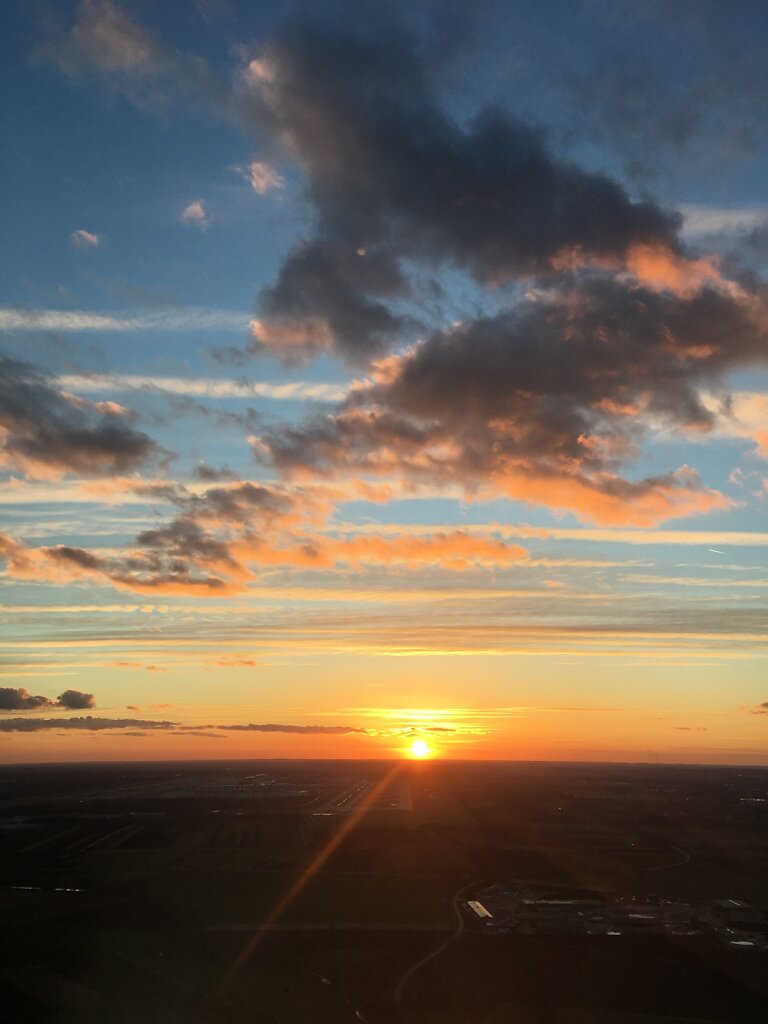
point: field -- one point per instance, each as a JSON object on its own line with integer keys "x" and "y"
{"x": 139, "y": 893}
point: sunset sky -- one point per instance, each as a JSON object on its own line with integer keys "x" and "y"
{"x": 374, "y": 372}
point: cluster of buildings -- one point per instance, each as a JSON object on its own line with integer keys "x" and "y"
{"x": 527, "y": 911}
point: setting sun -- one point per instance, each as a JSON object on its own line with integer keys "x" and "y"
{"x": 419, "y": 748}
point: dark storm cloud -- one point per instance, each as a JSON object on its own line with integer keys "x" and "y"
{"x": 87, "y": 723}
{"x": 18, "y": 699}
{"x": 75, "y": 700}
{"x": 557, "y": 391}
{"x": 393, "y": 177}
{"x": 49, "y": 430}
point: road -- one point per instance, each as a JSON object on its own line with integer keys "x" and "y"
{"x": 456, "y": 934}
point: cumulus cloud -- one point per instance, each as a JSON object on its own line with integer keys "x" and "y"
{"x": 83, "y": 239}
{"x": 195, "y": 213}
{"x": 45, "y": 431}
{"x": 546, "y": 402}
{"x": 393, "y": 177}
{"x": 18, "y": 699}
{"x": 75, "y": 700}
{"x": 546, "y": 399}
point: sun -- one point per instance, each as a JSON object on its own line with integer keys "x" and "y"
{"x": 420, "y": 749}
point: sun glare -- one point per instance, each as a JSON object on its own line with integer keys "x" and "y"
{"x": 419, "y": 748}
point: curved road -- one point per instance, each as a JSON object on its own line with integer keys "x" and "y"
{"x": 456, "y": 906}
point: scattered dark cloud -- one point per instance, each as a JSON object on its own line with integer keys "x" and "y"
{"x": 223, "y": 538}
{"x": 75, "y": 700}
{"x": 19, "y": 699}
{"x": 47, "y": 431}
{"x": 210, "y": 474}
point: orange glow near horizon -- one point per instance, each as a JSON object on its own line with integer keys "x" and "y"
{"x": 420, "y": 749}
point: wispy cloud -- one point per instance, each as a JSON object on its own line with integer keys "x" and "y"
{"x": 696, "y": 581}
{"x": 261, "y": 176}
{"x": 608, "y": 535}
{"x": 81, "y": 321}
{"x": 701, "y": 219}
{"x": 299, "y": 730}
{"x": 106, "y": 44}
{"x": 203, "y": 387}
{"x": 83, "y": 239}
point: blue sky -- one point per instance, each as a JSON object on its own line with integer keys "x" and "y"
{"x": 346, "y": 349}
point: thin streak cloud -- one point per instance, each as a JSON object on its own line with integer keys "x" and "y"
{"x": 84, "y": 321}
{"x": 202, "y": 387}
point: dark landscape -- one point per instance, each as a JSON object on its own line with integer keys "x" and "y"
{"x": 340, "y": 890}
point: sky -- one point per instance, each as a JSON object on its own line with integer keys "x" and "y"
{"x": 383, "y": 372}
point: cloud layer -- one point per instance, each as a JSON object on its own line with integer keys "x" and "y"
{"x": 222, "y": 539}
